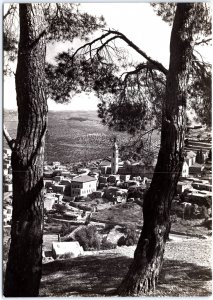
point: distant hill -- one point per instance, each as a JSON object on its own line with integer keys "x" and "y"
{"x": 72, "y": 136}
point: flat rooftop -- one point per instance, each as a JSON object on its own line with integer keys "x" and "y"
{"x": 84, "y": 178}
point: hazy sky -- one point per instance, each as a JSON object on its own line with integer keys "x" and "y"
{"x": 137, "y": 21}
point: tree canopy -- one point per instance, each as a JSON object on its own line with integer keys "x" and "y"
{"x": 132, "y": 93}
{"x": 64, "y": 22}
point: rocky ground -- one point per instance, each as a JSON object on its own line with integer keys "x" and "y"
{"x": 186, "y": 271}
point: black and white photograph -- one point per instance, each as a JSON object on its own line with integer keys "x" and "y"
{"x": 107, "y": 149}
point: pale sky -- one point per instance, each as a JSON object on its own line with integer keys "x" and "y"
{"x": 137, "y": 21}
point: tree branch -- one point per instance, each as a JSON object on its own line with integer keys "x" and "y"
{"x": 159, "y": 66}
{"x": 203, "y": 42}
{"x": 10, "y": 141}
{"x": 118, "y": 35}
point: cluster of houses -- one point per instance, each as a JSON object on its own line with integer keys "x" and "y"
{"x": 7, "y": 170}
{"x": 196, "y": 179}
{"x": 7, "y": 187}
{"x": 111, "y": 180}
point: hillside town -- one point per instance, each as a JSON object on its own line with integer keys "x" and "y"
{"x": 73, "y": 195}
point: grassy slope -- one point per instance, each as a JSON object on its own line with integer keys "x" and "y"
{"x": 132, "y": 213}
{"x": 120, "y": 214}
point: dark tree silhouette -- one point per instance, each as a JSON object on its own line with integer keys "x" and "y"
{"x": 24, "y": 262}
{"x": 38, "y": 23}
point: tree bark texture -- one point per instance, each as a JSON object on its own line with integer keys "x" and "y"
{"x": 148, "y": 257}
{"x": 24, "y": 265}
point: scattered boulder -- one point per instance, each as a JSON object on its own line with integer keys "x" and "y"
{"x": 63, "y": 250}
{"x": 208, "y": 223}
{"x": 114, "y": 235}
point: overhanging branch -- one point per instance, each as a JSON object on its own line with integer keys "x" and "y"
{"x": 119, "y": 35}
{"x": 158, "y": 65}
{"x": 204, "y": 41}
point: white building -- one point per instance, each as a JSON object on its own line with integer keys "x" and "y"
{"x": 49, "y": 201}
{"x": 114, "y": 160}
{"x": 83, "y": 186}
{"x": 185, "y": 170}
{"x": 182, "y": 186}
{"x": 190, "y": 158}
{"x": 7, "y": 214}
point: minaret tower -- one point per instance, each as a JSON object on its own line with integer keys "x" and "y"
{"x": 114, "y": 161}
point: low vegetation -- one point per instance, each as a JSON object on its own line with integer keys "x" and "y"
{"x": 88, "y": 238}
{"x": 125, "y": 213}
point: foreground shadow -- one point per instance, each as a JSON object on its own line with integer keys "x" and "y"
{"x": 85, "y": 276}
{"x": 179, "y": 278}
{"x": 101, "y": 275}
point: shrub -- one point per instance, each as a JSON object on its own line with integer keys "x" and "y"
{"x": 131, "y": 235}
{"x": 207, "y": 223}
{"x": 122, "y": 241}
{"x": 108, "y": 228}
{"x": 130, "y": 238}
{"x": 60, "y": 208}
{"x": 98, "y": 201}
{"x": 84, "y": 207}
{"x": 177, "y": 211}
{"x": 88, "y": 238}
{"x": 66, "y": 228}
{"x": 204, "y": 212}
{"x": 81, "y": 237}
{"x": 49, "y": 219}
{"x": 73, "y": 204}
{"x": 87, "y": 199}
{"x": 96, "y": 244}
{"x": 106, "y": 245}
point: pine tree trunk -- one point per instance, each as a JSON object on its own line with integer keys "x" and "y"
{"x": 148, "y": 258}
{"x": 24, "y": 265}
